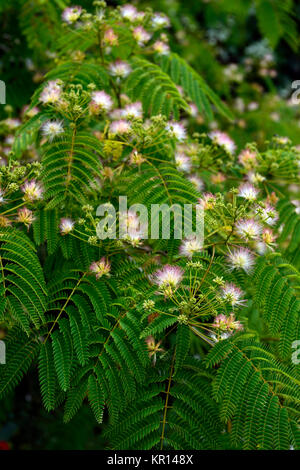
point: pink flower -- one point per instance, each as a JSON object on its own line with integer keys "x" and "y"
{"x": 32, "y": 190}
{"x": 168, "y": 276}
{"x": 100, "y": 268}
{"x": 248, "y": 229}
{"x": 232, "y": 294}
{"x": 120, "y": 127}
{"x": 241, "y": 258}
{"x": 223, "y": 139}
{"x": 66, "y": 226}
{"x": 25, "y": 216}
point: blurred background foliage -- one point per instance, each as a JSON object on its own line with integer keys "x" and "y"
{"x": 247, "y": 51}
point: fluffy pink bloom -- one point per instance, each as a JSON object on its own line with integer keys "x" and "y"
{"x": 241, "y": 258}
{"x": 168, "y": 276}
{"x": 232, "y": 294}
{"x": 177, "y": 130}
{"x": 161, "y": 48}
{"x": 120, "y": 127}
{"x": 207, "y": 201}
{"x": 128, "y": 12}
{"x": 248, "y": 229}
{"x": 51, "y": 92}
{"x": 100, "y": 101}
{"x": 197, "y": 182}
{"x": 71, "y": 14}
{"x": 133, "y": 110}
{"x": 141, "y": 35}
{"x": 100, "y": 268}
{"x": 267, "y": 214}
{"x": 66, "y": 226}
{"x": 223, "y": 139}
{"x": 119, "y": 69}
{"x": 110, "y": 37}
{"x": 190, "y": 246}
{"x": 183, "y": 162}
{"x": 25, "y": 216}
{"x": 248, "y": 191}
{"x": 32, "y": 191}
{"x": 247, "y": 158}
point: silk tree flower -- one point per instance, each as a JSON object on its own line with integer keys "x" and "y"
{"x": 32, "y": 191}
{"x": 136, "y": 158}
{"x": 119, "y": 69}
{"x": 267, "y": 214}
{"x": 247, "y": 158}
{"x": 296, "y": 203}
{"x": 110, "y": 38}
{"x": 197, "y": 182}
{"x": 255, "y": 178}
{"x": 25, "y": 216}
{"x": 168, "y": 278}
{"x": 228, "y": 324}
{"x": 248, "y": 229}
{"x": 241, "y": 258}
{"x": 133, "y": 227}
{"x": 141, "y": 35}
{"x": 159, "y": 21}
{"x": 100, "y": 101}
{"x": 161, "y": 48}
{"x": 120, "y": 127}
{"x": 268, "y": 236}
{"x": 12, "y": 123}
{"x": 208, "y": 201}
{"x": 100, "y": 268}
{"x": 66, "y": 225}
{"x": 218, "y": 178}
{"x": 177, "y": 130}
{"x": 52, "y": 129}
{"x": 71, "y": 14}
{"x": 223, "y": 139}
{"x": 128, "y": 12}
{"x": 183, "y": 162}
{"x": 248, "y": 191}
{"x": 232, "y": 294}
{"x": 133, "y": 110}
{"x": 190, "y": 246}
{"x": 2, "y": 198}
{"x": 51, "y": 92}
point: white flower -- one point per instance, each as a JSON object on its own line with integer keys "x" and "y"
{"x": 120, "y": 127}
{"x": 71, "y": 14}
{"x": 161, "y": 48}
{"x": 66, "y": 226}
{"x": 119, "y": 69}
{"x": 190, "y": 246}
{"x": 141, "y": 35}
{"x": 100, "y": 268}
{"x": 197, "y": 182}
{"x": 51, "y": 92}
{"x": 12, "y": 123}
{"x": 247, "y": 158}
{"x": 248, "y": 191}
{"x": 128, "y": 12}
{"x": 52, "y": 129}
{"x": 241, "y": 258}
{"x": 133, "y": 110}
{"x": 32, "y": 190}
{"x": 248, "y": 229}
{"x": 100, "y": 101}
{"x": 177, "y": 130}
{"x": 232, "y": 294}
{"x": 168, "y": 276}
{"x": 223, "y": 139}
{"x": 160, "y": 21}
{"x": 183, "y": 162}
{"x": 267, "y": 214}
{"x": 2, "y": 199}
